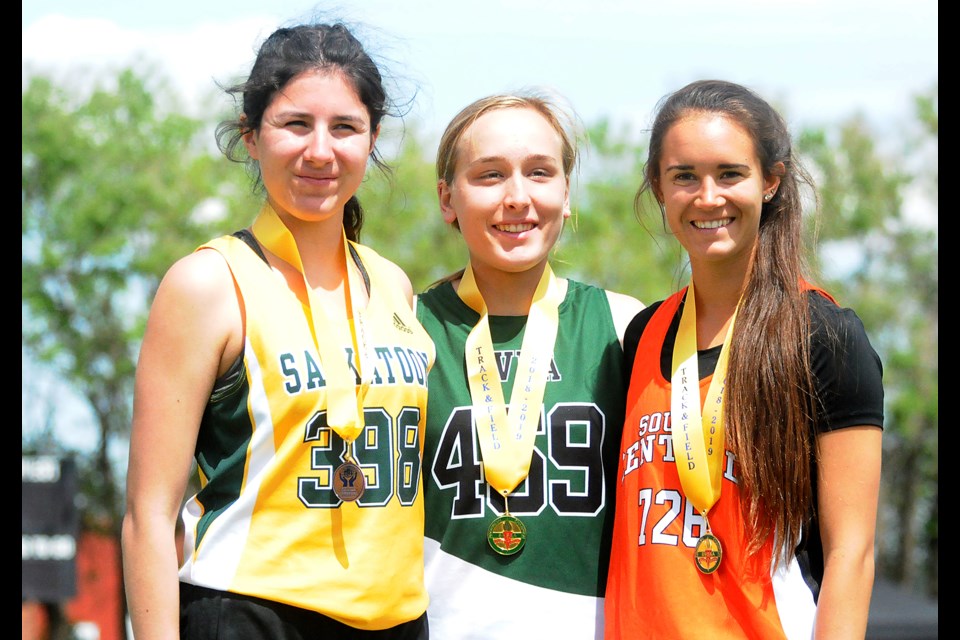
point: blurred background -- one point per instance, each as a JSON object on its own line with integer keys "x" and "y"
{"x": 120, "y": 176}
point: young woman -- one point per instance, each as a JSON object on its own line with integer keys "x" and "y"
{"x": 750, "y": 461}
{"x": 527, "y": 395}
{"x": 287, "y": 359}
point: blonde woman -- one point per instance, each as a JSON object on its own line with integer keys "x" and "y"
{"x": 527, "y": 394}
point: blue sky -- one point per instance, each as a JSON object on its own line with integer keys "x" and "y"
{"x": 821, "y": 60}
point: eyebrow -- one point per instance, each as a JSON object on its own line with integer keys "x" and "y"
{"x": 688, "y": 167}
{"x": 539, "y": 157}
{"x": 299, "y": 113}
{"x": 350, "y": 118}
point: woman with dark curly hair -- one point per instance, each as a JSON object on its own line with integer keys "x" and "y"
{"x": 286, "y": 359}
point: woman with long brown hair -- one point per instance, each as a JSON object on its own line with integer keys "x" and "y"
{"x": 750, "y": 461}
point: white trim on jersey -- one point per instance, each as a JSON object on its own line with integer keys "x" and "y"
{"x": 215, "y": 563}
{"x": 523, "y": 610}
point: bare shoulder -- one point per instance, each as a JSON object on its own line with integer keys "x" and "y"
{"x": 197, "y": 307}
{"x": 201, "y": 273}
{"x": 623, "y": 308}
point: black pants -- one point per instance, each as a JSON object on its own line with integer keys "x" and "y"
{"x": 208, "y": 614}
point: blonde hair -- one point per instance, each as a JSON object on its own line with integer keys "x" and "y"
{"x": 562, "y": 118}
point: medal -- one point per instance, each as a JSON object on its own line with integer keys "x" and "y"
{"x": 708, "y": 553}
{"x": 348, "y": 481}
{"x": 507, "y": 438}
{"x": 507, "y": 535}
{"x": 347, "y": 384}
{"x": 699, "y": 431}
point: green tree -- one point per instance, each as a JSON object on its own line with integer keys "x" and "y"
{"x": 402, "y": 216}
{"x": 609, "y": 242}
{"x": 881, "y": 257}
{"x": 113, "y": 190}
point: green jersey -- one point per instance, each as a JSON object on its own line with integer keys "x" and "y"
{"x": 553, "y": 587}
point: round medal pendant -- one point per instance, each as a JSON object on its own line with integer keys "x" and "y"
{"x": 708, "y": 553}
{"x": 348, "y": 482}
{"x": 507, "y": 535}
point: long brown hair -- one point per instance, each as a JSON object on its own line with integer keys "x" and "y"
{"x": 770, "y": 405}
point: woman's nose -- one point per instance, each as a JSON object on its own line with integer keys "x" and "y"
{"x": 516, "y": 194}
{"x": 710, "y": 195}
{"x": 319, "y": 147}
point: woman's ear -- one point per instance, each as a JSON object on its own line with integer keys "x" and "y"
{"x": 657, "y": 192}
{"x": 373, "y": 139}
{"x": 444, "y": 194}
{"x": 771, "y": 182}
{"x": 249, "y": 138}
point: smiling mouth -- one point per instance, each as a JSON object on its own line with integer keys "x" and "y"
{"x": 712, "y": 224}
{"x": 513, "y": 228}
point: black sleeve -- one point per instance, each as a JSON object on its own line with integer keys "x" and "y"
{"x": 631, "y": 337}
{"x": 848, "y": 374}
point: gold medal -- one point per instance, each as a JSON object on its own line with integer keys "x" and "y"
{"x": 698, "y": 432}
{"x": 708, "y": 553}
{"x": 507, "y": 535}
{"x": 348, "y": 481}
{"x": 507, "y": 438}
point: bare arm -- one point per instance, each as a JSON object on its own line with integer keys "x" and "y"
{"x": 848, "y": 493}
{"x": 623, "y": 308}
{"x": 193, "y": 332}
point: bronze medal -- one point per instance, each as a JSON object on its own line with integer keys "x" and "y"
{"x": 507, "y": 535}
{"x": 708, "y": 553}
{"x": 348, "y": 482}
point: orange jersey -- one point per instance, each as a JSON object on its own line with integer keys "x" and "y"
{"x": 654, "y": 589}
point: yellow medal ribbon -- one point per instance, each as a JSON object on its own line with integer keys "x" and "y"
{"x": 697, "y": 436}
{"x": 506, "y": 439}
{"x": 344, "y": 397}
